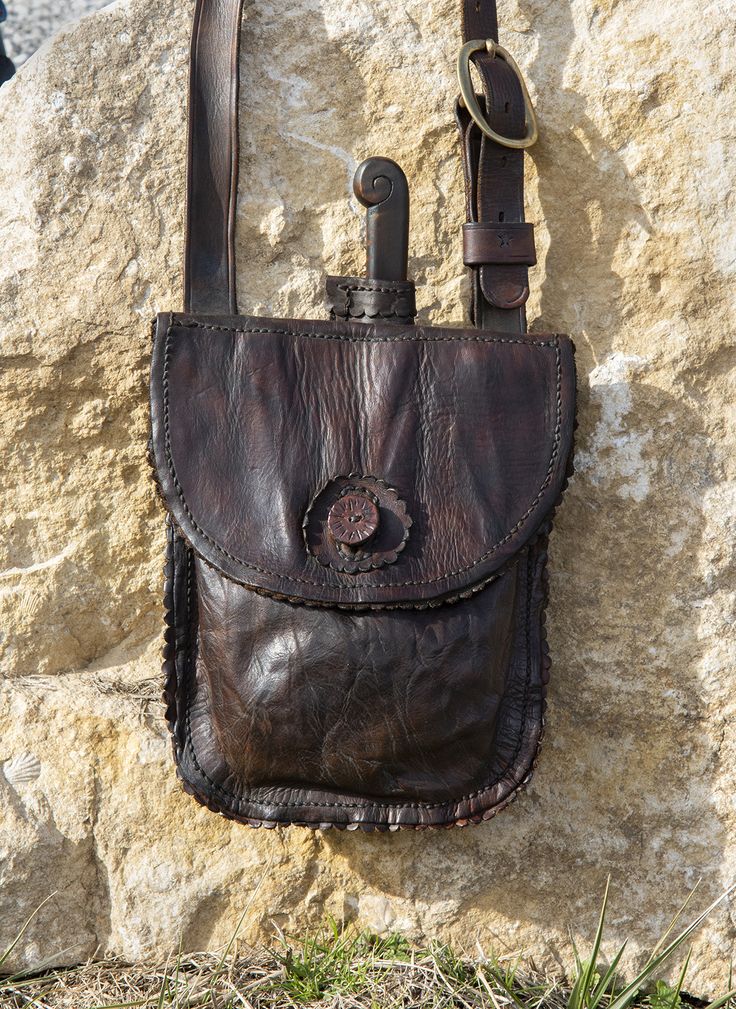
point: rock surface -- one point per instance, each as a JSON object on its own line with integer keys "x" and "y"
{"x": 632, "y": 188}
{"x": 31, "y": 22}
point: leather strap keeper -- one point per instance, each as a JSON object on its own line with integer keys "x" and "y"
{"x": 371, "y": 300}
{"x": 484, "y": 244}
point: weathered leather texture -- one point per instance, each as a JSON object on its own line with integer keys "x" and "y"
{"x": 358, "y": 509}
{"x": 409, "y": 693}
{"x": 212, "y": 157}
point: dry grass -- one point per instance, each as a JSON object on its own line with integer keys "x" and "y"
{"x": 340, "y": 967}
{"x": 362, "y": 972}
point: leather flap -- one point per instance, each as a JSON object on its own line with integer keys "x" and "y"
{"x": 266, "y": 433}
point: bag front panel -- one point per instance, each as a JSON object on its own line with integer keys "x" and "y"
{"x": 383, "y": 703}
{"x": 288, "y": 713}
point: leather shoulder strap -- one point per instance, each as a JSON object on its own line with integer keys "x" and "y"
{"x": 212, "y": 159}
{"x": 498, "y": 245}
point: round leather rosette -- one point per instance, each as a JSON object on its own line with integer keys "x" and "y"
{"x": 356, "y": 523}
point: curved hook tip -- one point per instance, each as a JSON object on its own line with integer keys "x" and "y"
{"x": 376, "y": 179}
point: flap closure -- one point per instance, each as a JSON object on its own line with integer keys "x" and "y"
{"x": 346, "y": 464}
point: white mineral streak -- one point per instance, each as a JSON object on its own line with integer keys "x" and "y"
{"x": 632, "y": 188}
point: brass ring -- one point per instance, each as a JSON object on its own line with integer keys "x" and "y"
{"x": 471, "y": 102}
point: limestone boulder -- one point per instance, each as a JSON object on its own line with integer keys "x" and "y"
{"x": 631, "y": 187}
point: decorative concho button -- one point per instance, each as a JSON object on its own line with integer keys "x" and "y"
{"x": 356, "y": 524}
{"x": 353, "y": 518}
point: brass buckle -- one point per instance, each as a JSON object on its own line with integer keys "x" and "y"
{"x": 471, "y": 102}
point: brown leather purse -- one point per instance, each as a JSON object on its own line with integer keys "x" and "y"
{"x": 358, "y": 510}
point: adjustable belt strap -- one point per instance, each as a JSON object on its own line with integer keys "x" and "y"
{"x": 480, "y": 20}
{"x": 498, "y": 245}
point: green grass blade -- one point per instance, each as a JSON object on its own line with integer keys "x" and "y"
{"x": 505, "y": 983}
{"x": 607, "y": 979}
{"x": 124, "y": 1005}
{"x": 678, "y": 914}
{"x": 164, "y": 987}
{"x": 234, "y": 936}
{"x": 578, "y": 961}
{"x": 575, "y": 998}
{"x": 4, "y": 956}
{"x": 723, "y": 1000}
{"x": 573, "y": 1001}
{"x": 580, "y": 995}
{"x": 680, "y": 981}
{"x": 22, "y": 977}
{"x": 625, "y": 996}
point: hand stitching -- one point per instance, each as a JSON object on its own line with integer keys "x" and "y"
{"x": 305, "y": 581}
